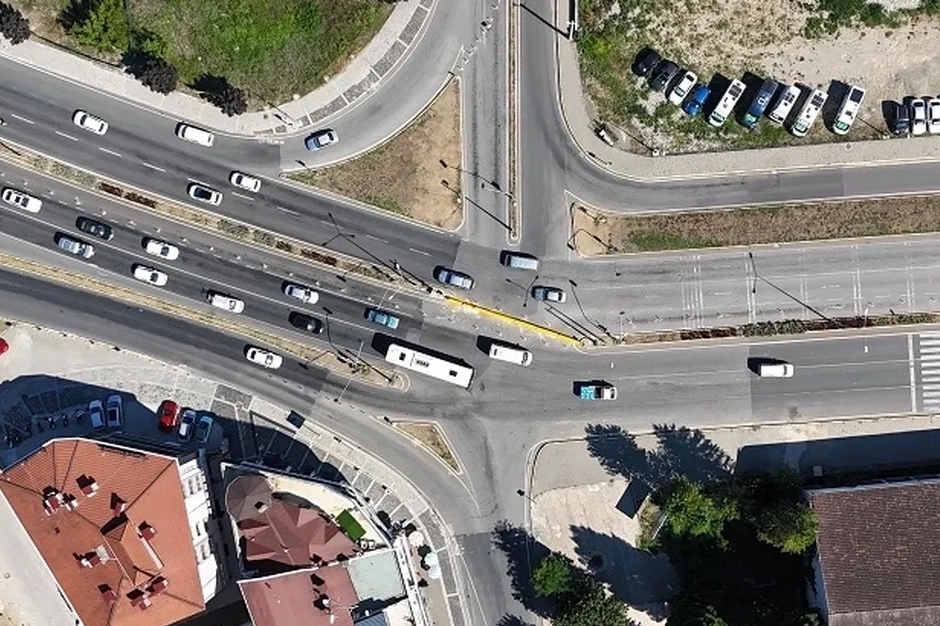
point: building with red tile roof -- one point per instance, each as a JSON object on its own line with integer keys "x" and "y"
{"x": 111, "y": 523}
{"x": 314, "y": 597}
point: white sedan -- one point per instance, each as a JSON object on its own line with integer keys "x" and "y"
{"x": 150, "y": 275}
{"x": 244, "y": 181}
{"x": 204, "y": 194}
{"x": 918, "y": 116}
{"x": 162, "y": 249}
{"x": 21, "y": 200}
{"x": 681, "y": 90}
{"x": 306, "y": 294}
{"x": 933, "y": 115}
{"x": 89, "y": 122}
{"x": 264, "y": 358}
{"x": 225, "y": 302}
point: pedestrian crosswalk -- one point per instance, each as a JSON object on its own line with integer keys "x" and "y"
{"x": 929, "y": 349}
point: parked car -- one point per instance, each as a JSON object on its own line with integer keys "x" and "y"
{"x": 167, "y": 416}
{"x": 94, "y": 228}
{"x": 76, "y": 247}
{"x": 115, "y": 411}
{"x": 899, "y": 118}
{"x": 663, "y": 73}
{"x": 453, "y": 278}
{"x": 204, "y": 194}
{"x": 187, "y": 424}
{"x": 204, "y": 429}
{"x": 382, "y": 318}
{"x": 645, "y": 61}
{"x": 301, "y": 292}
{"x": 244, "y": 181}
{"x": 321, "y": 139}
{"x": 851, "y": 103}
{"x": 549, "y": 294}
{"x": 759, "y": 104}
{"x": 264, "y": 358}
{"x": 96, "y": 414}
{"x": 918, "y": 110}
{"x": 161, "y": 249}
{"x": 150, "y": 275}
{"x": 693, "y": 106}
{"x": 4, "y": 346}
{"x": 730, "y": 98}
{"x": 933, "y": 115}
{"x": 21, "y": 200}
{"x": 808, "y": 113}
{"x": 784, "y": 104}
{"x": 682, "y": 88}
{"x": 89, "y": 122}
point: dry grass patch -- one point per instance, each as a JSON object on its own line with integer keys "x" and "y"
{"x": 405, "y": 175}
{"x": 607, "y": 233}
{"x": 431, "y": 437}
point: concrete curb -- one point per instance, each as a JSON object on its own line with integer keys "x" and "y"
{"x": 505, "y": 317}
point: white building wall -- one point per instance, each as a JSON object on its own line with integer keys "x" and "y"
{"x": 194, "y": 476}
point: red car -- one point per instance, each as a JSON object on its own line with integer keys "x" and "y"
{"x": 169, "y": 415}
{"x": 4, "y": 346}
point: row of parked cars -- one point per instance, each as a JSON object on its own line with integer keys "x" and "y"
{"x": 915, "y": 116}
{"x": 775, "y": 100}
{"x": 185, "y": 422}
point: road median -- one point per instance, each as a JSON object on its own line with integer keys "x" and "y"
{"x": 541, "y": 329}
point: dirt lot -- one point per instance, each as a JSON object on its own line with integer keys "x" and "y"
{"x": 406, "y": 175}
{"x": 736, "y": 37}
{"x": 600, "y": 233}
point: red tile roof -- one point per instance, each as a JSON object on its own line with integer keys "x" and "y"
{"x": 150, "y": 488}
{"x": 879, "y": 552}
{"x": 307, "y": 596}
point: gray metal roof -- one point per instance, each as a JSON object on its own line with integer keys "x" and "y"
{"x": 375, "y": 576}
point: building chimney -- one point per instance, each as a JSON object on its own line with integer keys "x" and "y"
{"x": 147, "y": 532}
{"x": 88, "y": 485}
{"x": 118, "y": 506}
{"x": 158, "y": 585}
{"x": 261, "y": 507}
{"x": 71, "y": 502}
{"x": 52, "y": 502}
{"x": 108, "y": 595}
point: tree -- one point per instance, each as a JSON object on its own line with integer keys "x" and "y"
{"x": 103, "y": 27}
{"x": 690, "y": 610}
{"x": 788, "y": 526}
{"x": 589, "y": 604}
{"x": 691, "y": 511}
{"x": 158, "y": 75}
{"x": 13, "y": 25}
{"x": 552, "y": 576}
{"x": 232, "y": 101}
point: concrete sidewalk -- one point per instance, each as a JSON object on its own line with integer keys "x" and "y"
{"x": 705, "y": 165}
{"x": 361, "y": 77}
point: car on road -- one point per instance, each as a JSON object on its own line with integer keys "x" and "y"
{"x": 693, "y": 106}
{"x": 453, "y": 277}
{"x": 94, "y": 228}
{"x": 115, "y": 411}
{"x": 194, "y": 135}
{"x": 899, "y": 118}
{"x": 321, "y": 139}
{"x": 306, "y": 322}
{"x": 167, "y": 416}
{"x": 264, "y": 358}
{"x": 663, "y": 73}
{"x": 21, "y": 199}
{"x": 645, "y": 61}
{"x": 187, "y": 424}
{"x": 89, "y": 122}
{"x": 918, "y": 110}
{"x": 933, "y": 115}
{"x": 544, "y": 293}
{"x": 382, "y": 318}
{"x": 851, "y": 103}
{"x": 150, "y": 275}
{"x": 76, "y": 247}
{"x": 775, "y": 369}
{"x": 244, "y": 181}
{"x": 204, "y": 429}
{"x": 301, "y": 292}
{"x": 682, "y": 88}
{"x": 225, "y": 302}
{"x": 204, "y": 194}
{"x": 161, "y": 249}
{"x": 96, "y": 414}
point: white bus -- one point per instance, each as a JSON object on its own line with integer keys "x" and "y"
{"x": 438, "y": 368}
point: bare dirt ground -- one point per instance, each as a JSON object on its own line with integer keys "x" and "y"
{"x": 765, "y": 38}
{"x": 406, "y": 175}
{"x": 430, "y": 435}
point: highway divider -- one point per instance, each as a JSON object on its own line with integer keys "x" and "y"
{"x": 546, "y": 331}
{"x": 343, "y": 364}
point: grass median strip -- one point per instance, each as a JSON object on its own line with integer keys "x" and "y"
{"x": 599, "y": 232}
{"x": 323, "y": 358}
{"x": 429, "y": 435}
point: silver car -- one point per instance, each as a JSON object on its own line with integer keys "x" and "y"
{"x": 549, "y": 294}
{"x": 321, "y": 139}
{"x": 453, "y": 278}
{"x": 76, "y": 247}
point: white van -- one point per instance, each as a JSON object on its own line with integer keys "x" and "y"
{"x": 849, "y": 109}
{"x": 775, "y": 370}
{"x": 195, "y": 135}
{"x": 784, "y": 104}
{"x": 519, "y": 260}
{"x": 809, "y": 113}
{"x": 225, "y": 302}
{"x": 510, "y": 354}
{"x": 732, "y": 94}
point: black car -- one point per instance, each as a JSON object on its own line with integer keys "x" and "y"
{"x": 95, "y": 228}
{"x": 646, "y": 60}
{"x": 306, "y": 323}
{"x": 662, "y": 75}
{"x": 899, "y": 118}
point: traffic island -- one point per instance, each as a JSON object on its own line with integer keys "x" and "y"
{"x": 429, "y": 436}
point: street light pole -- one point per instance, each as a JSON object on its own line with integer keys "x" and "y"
{"x": 792, "y": 297}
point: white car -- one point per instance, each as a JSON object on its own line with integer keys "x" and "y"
{"x": 264, "y": 358}
{"x": 726, "y": 105}
{"x": 204, "y": 194}
{"x": 244, "y": 181}
{"x": 76, "y": 247}
{"x": 21, "y": 200}
{"x": 89, "y": 122}
{"x": 321, "y": 139}
{"x": 96, "y": 414}
{"x": 681, "y": 90}
{"x": 115, "y": 411}
{"x": 225, "y": 302}
{"x": 808, "y": 113}
{"x": 549, "y": 294}
{"x": 161, "y": 249}
{"x": 301, "y": 292}
{"x": 933, "y": 115}
{"x": 150, "y": 275}
{"x": 918, "y": 116}
{"x": 849, "y": 110}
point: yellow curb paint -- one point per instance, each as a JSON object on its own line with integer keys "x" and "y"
{"x": 499, "y": 315}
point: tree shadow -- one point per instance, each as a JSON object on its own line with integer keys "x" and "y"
{"x": 522, "y": 553}
{"x": 76, "y": 12}
{"x": 617, "y": 452}
{"x": 642, "y": 580}
{"x": 210, "y": 87}
{"x": 512, "y": 620}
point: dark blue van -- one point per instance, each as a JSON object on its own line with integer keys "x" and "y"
{"x": 694, "y": 104}
{"x": 759, "y": 104}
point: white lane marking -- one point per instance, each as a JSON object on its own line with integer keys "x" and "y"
{"x": 153, "y": 167}
{"x": 416, "y": 251}
{"x": 241, "y": 195}
{"x": 61, "y": 134}
{"x": 117, "y": 154}
{"x": 910, "y": 361}
{"x": 280, "y": 208}
{"x": 376, "y": 238}
{"x": 21, "y": 118}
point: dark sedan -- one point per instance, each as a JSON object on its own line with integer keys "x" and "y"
{"x": 94, "y": 228}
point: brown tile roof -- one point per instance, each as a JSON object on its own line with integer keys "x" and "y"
{"x": 307, "y": 596}
{"x": 147, "y": 487}
{"x": 879, "y": 551}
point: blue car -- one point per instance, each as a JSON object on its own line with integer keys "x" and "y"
{"x": 382, "y": 318}
{"x": 693, "y": 106}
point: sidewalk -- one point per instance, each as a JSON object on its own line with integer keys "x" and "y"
{"x": 705, "y": 165}
{"x": 362, "y": 76}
